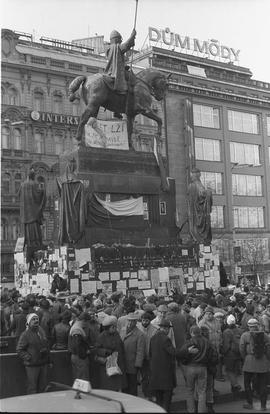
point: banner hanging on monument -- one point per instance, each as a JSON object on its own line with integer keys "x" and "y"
{"x": 115, "y": 135}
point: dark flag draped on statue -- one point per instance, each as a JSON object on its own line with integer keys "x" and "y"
{"x": 32, "y": 204}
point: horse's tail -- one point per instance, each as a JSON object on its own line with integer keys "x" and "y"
{"x": 74, "y": 86}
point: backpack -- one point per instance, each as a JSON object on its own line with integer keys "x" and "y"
{"x": 258, "y": 344}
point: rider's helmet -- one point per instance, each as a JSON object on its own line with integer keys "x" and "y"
{"x": 115, "y": 35}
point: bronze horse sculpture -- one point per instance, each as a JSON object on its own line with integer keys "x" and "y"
{"x": 97, "y": 91}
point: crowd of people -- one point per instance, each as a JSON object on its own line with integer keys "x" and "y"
{"x": 119, "y": 341}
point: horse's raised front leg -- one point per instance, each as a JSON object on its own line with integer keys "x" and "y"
{"x": 80, "y": 137}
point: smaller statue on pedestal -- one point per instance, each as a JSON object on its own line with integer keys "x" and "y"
{"x": 200, "y": 203}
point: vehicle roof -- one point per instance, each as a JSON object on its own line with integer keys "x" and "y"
{"x": 65, "y": 401}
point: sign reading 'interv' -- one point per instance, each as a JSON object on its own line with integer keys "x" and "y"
{"x": 112, "y": 134}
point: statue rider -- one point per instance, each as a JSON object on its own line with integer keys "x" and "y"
{"x": 116, "y": 67}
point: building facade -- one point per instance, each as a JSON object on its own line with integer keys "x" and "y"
{"x": 215, "y": 117}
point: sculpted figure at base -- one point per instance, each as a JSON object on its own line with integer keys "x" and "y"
{"x": 199, "y": 209}
{"x": 32, "y": 204}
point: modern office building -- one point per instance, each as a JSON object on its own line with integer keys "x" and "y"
{"x": 215, "y": 117}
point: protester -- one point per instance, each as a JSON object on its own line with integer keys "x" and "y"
{"x": 60, "y": 331}
{"x": 109, "y": 341}
{"x": 18, "y": 323}
{"x": 149, "y": 331}
{"x": 231, "y": 352}
{"x": 161, "y": 314}
{"x": 33, "y": 349}
{"x": 134, "y": 344}
{"x": 162, "y": 355}
{"x": 254, "y": 348}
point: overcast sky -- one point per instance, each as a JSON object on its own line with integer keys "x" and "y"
{"x": 239, "y": 24}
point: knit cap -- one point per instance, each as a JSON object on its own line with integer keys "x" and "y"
{"x": 29, "y": 317}
{"x": 230, "y": 320}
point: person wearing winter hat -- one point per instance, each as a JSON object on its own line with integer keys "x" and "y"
{"x": 33, "y": 349}
{"x": 162, "y": 311}
{"x": 149, "y": 331}
{"x": 215, "y": 333}
{"x": 109, "y": 341}
{"x": 254, "y": 349}
{"x": 231, "y": 354}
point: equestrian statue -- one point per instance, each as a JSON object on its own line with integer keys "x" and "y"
{"x": 119, "y": 90}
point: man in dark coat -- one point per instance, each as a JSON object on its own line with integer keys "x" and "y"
{"x": 162, "y": 365}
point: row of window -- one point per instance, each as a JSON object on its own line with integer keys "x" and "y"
{"x": 10, "y": 184}
{"x": 209, "y": 117}
{"x": 242, "y": 185}
{"x": 12, "y": 139}
{"x": 210, "y": 150}
{"x": 244, "y": 217}
{"x": 12, "y": 97}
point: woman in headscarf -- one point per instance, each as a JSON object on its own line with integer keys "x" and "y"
{"x": 109, "y": 341}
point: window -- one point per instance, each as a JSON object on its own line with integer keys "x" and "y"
{"x": 243, "y": 122}
{"x": 6, "y": 183}
{"x": 59, "y": 145}
{"x": 15, "y": 229}
{"x": 145, "y": 211}
{"x": 58, "y": 103}
{"x": 13, "y": 97}
{"x": 17, "y": 139}
{"x": 207, "y": 149}
{"x": 38, "y": 103}
{"x": 4, "y": 229}
{"x": 5, "y": 138}
{"x": 247, "y": 185}
{"x": 244, "y": 153}
{"x": 39, "y": 143}
{"x": 212, "y": 180}
{"x": 217, "y": 217}
{"x": 205, "y": 116}
{"x": 248, "y": 217}
{"x": 268, "y": 125}
{"x": 17, "y": 182}
{"x": 76, "y": 108}
{"x": 162, "y": 208}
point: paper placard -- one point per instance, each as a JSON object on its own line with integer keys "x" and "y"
{"x": 163, "y": 274}
{"x": 190, "y": 271}
{"x": 144, "y": 284}
{"x": 121, "y": 284}
{"x": 200, "y": 286}
{"x": 74, "y": 285}
{"x": 154, "y": 276}
{"x": 19, "y": 245}
{"x": 201, "y": 277}
{"x": 207, "y": 249}
{"x": 133, "y": 275}
{"x": 89, "y": 286}
{"x": 126, "y": 275}
{"x": 104, "y": 276}
{"x": 149, "y": 292}
{"x": 115, "y": 275}
{"x": 63, "y": 250}
{"x": 133, "y": 283}
{"x": 85, "y": 276}
{"x": 83, "y": 256}
{"x": 190, "y": 285}
{"x": 184, "y": 252}
{"x": 143, "y": 274}
{"x": 99, "y": 284}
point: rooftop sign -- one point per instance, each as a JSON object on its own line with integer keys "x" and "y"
{"x": 211, "y": 48}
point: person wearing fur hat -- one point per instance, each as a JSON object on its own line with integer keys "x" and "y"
{"x": 231, "y": 353}
{"x": 109, "y": 341}
{"x": 33, "y": 349}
